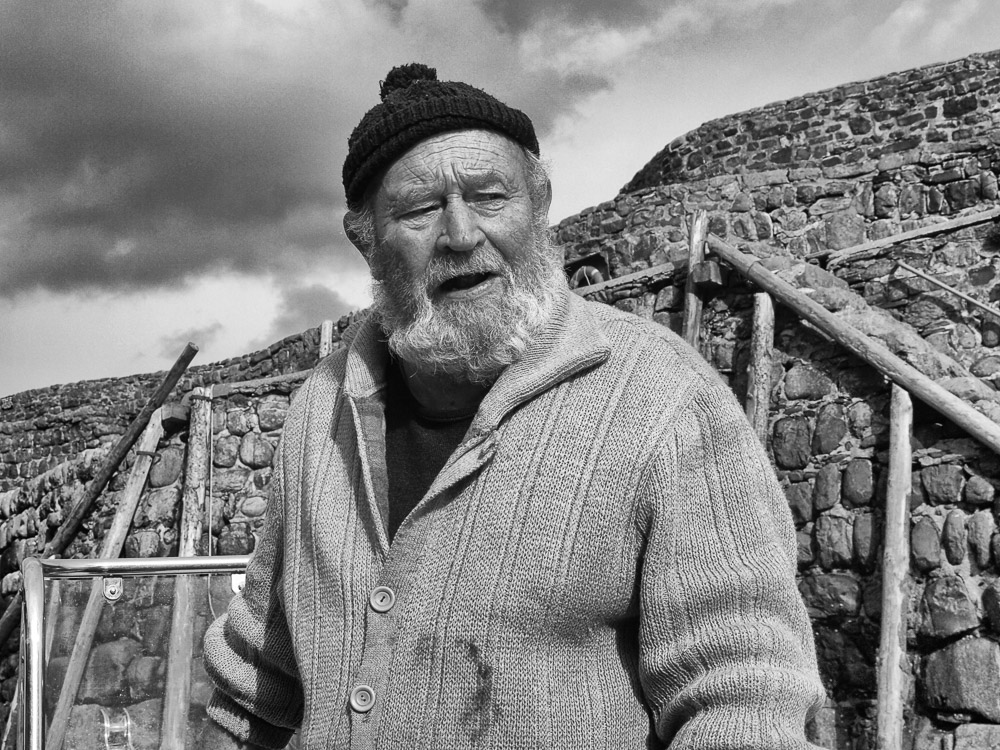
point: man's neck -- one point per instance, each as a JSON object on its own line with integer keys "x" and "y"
{"x": 442, "y": 396}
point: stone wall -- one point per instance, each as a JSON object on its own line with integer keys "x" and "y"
{"x": 949, "y": 105}
{"x": 43, "y": 427}
{"x": 803, "y": 179}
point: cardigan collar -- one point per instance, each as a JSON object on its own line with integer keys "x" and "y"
{"x": 570, "y": 342}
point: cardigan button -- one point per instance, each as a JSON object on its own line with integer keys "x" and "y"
{"x": 362, "y": 699}
{"x": 382, "y": 599}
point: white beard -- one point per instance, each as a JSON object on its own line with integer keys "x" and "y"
{"x": 473, "y": 340}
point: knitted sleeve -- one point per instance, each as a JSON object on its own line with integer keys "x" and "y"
{"x": 248, "y": 651}
{"x": 727, "y": 658}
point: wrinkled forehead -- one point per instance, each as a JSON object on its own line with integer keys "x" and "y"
{"x": 455, "y": 159}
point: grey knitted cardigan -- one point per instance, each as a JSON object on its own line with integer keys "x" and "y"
{"x": 606, "y": 561}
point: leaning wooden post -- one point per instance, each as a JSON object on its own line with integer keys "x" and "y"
{"x": 761, "y": 359}
{"x": 177, "y": 693}
{"x": 895, "y": 568}
{"x": 871, "y": 351}
{"x": 111, "y": 547}
{"x": 78, "y": 513}
{"x": 692, "y": 297}
{"x": 325, "y": 338}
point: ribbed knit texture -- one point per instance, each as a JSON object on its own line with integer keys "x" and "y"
{"x": 415, "y": 106}
{"x": 606, "y": 562}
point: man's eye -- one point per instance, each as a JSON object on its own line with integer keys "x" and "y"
{"x": 414, "y": 213}
{"x": 491, "y": 197}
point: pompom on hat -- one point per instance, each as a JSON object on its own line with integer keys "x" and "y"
{"x": 416, "y": 105}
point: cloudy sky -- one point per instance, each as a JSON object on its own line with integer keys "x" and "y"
{"x": 170, "y": 170}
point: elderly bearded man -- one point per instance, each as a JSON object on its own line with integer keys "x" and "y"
{"x": 502, "y": 516}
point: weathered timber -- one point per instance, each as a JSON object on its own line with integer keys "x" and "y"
{"x": 937, "y": 282}
{"x": 895, "y": 570}
{"x": 111, "y": 547}
{"x": 692, "y": 296}
{"x": 325, "y": 338}
{"x": 871, "y": 351}
{"x": 869, "y": 249}
{"x": 177, "y": 693}
{"x": 71, "y": 524}
{"x": 761, "y": 359}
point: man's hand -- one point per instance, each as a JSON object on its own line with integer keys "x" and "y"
{"x": 214, "y": 737}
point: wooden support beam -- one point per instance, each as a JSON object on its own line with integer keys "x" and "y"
{"x": 938, "y": 283}
{"x": 177, "y": 692}
{"x": 325, "y": 338}
{"x": 761, "y": 359}
{"x": 895, "y": 570}
{"x": 871, "y": 351}
{"x": 111, "y": 547}
{"x": 12, "y": 615}
{"x": 653, "y": 275}
{"x": 869, "y": 249}
{"x": 692, "y": 297}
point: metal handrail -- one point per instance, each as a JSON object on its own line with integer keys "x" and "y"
{"x": 35, "y": 571}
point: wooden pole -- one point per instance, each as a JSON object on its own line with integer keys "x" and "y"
{"x": 871, "y": 351}
{"x": 177, "y": 693}
{"x": 692, "y": 297}
{"x": 895, "y": 567}
{"x": 971, "y": 300}
{"x": 863, "y": 250}
{"x": 111, "y": 547}
{"x": 761, "y": 358}
{"x": 325, "y": 338}
{"x": 71, "y": 524}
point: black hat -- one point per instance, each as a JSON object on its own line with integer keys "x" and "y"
{"x": 416, "y": 105}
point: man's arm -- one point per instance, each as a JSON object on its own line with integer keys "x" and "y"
{"x": 727, "y": 658}
{"x": 214, "y": 737}
{"x": 258, "y": 697}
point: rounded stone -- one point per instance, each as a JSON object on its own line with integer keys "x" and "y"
{"x": 225, "y": 452}
{"x": 256, "y": 451}
{"x": 986, "y": 366}
{"x": 980, "y": 528}
{"x": 979, "y": 491}
{"x": 159, "y": 506}
{"x": 857, "y": 484}
{"x": 830, "y": 595}
{"x": 239, "y": 421}
{"x": 800, "y": 500}
{"x": 806, "y": 382}
{"x": 859, "y": 418}
{"x": 826, "y": 489}
{"x": 236, "y": 539}
{"x": 865, "y": 543}
{"x": 791, "y": 443}
{"x": 804, "y": 541}
{"x": 834, "y": 540}
{"x": 991, "y": 606}
{"x": 253, "y": 506}
{"x": 965, "y": 678}
{"x": 947, "y": 608}
{"x": 166, "y": 467}
{"x": 271, "y": 413}
{"x": 925, "y": 544}
{"x": 955, "y": 537}
{"x": 943, "y": 483}
{"x": 830, "y": 429}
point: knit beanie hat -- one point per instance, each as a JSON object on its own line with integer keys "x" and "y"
{"x": 415, "y": 105}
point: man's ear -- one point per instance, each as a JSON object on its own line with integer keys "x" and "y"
{"x": 363, "y": 247}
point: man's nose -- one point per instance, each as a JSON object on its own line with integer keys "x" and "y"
{"x": 461, "y": 232}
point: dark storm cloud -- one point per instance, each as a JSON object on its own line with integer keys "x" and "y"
{"x": 302, "y": 307}
{"x": 146, "y": 144}
{"x": 517, "y": 16}
{"x": 130, "y": 159}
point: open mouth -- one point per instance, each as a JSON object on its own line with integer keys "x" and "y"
{"x": 465, "y": 281}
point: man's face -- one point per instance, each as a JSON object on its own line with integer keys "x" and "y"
{"x": 464, "y": 272}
